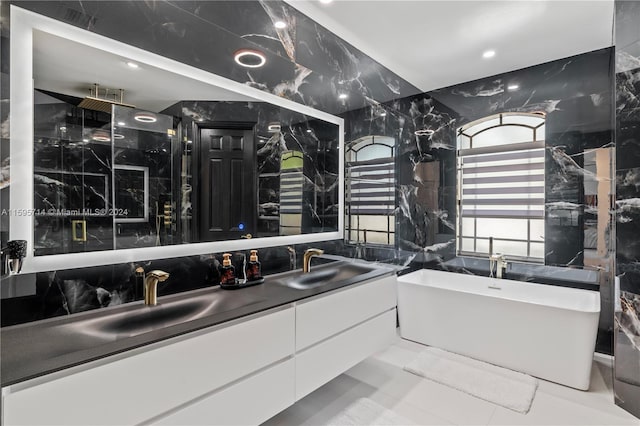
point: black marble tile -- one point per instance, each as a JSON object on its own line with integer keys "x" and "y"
{"x": 627, "y": 332}
{"x": 305, "y": 62}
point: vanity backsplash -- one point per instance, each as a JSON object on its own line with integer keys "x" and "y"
{"x": 70, "y": 291}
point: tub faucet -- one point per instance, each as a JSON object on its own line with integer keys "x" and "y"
{"x": 499, "y": 262}
{"x": 306, "y": 260}
{"x": 151, "y": 286}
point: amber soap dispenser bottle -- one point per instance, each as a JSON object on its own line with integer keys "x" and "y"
{"x": 228, "y": 274}
{"x": 253, "y": 267}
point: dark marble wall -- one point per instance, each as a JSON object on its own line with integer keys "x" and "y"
{"x": 627, "y": 316}
{"x": 575, "y": 94}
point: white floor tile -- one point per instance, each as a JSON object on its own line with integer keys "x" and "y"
{"x": 385, "y": 377}
{"x": 450, "y": 404}
{"x": 551, "y": 410}
{"x": 397, "y": 356}
{"x": 599, "y": 396}
{"x": 382, "y": 379}
{"x": 434, "y": 398}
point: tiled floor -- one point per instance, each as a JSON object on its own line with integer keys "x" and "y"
{"x": 382, "y": 379}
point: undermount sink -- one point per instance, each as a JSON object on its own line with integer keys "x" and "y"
{"x": 150, "y": 317}
{"x": 326, "y": 274}
{"x": 144, "y": 318}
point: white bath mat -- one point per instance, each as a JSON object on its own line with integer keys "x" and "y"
{"x": 501, "y": 386}
{"x": 367, "y": 412}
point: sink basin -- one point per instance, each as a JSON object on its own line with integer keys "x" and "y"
{"x": 143, "y": 319}
{"x": 150, "y": 317}
{"x": 325, "y": 275}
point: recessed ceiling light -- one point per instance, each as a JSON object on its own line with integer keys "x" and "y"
{"x": 118, "y": 136}
{"x": 273, "y": 127}
{"x": 101, "y": 136}
{"x": 145, "y": 117}
{"x": 309, "y": 130}
{"x": 132, "y": 65}
{"x": 424, "y": 132}
{"x": 513, "y": 87}
{"x": 343, "y": 96}
{"x": 63, "y": 129}
{"x": 280, "y": 24}
{"x": 489, "y": 54}
{"x": 250, "y": 58}
{"x": 85, "y": 140}
{"x": 383, "y": 114}
{"x": 121, "y": 123}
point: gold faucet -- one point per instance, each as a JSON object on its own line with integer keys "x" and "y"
{"x": 306, "y": 260}
{"x": 151, "y": 285}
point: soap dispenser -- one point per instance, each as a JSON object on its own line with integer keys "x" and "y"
{"x": 253, "y": 267}
{"x": 228, "y": 273}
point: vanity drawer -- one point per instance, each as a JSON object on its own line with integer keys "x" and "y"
{"x": 325, "y": 316}
{"x": 140, "y": 387}
{"x": 248, "y": 402}
{"x": 321, "y": 363}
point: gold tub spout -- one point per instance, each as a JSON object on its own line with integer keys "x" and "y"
{"x": 151, "y": 285}
{"x": 306, "y": 260}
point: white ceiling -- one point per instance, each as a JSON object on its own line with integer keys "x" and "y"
{"x": 434, "y": 44}
{"x": 64, "y": 66}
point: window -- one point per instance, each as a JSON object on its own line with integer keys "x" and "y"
{"x": 500, "y": 165}
{"x": 370, "y": 194}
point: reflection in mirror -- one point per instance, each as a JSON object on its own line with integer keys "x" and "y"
{"x": 131, "y": 193}
{"x": 371, "y": 195}
{"x": 190, "y": 162}
{"x": 142, "y": 162}
{"x": 291, "y": 187}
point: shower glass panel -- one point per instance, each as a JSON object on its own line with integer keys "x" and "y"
{"x": 72, "y": 177}
{"x": 144, "y": 208}
{"x": 101, "y": 181}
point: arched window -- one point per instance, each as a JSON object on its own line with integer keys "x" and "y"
{"x": 370, "y": 195}
{"x": 501, "y": 187}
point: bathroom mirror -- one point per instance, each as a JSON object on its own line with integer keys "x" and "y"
{"x": 183, "y": 162}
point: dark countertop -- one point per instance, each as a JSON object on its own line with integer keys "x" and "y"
{"x": 35, "y": 349}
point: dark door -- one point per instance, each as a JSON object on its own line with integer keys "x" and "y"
{"x": 227, "y": 202}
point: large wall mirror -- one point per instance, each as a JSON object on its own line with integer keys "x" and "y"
{"x": 115, "y": 148}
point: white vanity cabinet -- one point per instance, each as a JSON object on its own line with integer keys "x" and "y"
{"x": 241, "y": 372}
{"x": 337, "y": 331}
{"x": 148, "y": 384}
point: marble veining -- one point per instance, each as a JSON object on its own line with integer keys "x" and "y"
{"x": 627, "y": 316}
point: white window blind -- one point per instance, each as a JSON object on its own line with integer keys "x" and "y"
{"x": 501, "y": 186}
{"x": 370, "y": 190}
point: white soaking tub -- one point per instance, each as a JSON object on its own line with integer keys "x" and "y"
{"x": 543, "y": 330}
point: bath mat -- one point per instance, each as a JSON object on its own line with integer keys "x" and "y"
{"x": 367, "y": 412}
{"x": 498, "y": 385}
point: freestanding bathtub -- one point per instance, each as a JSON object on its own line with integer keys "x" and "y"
{"x": 543, "y": 330}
